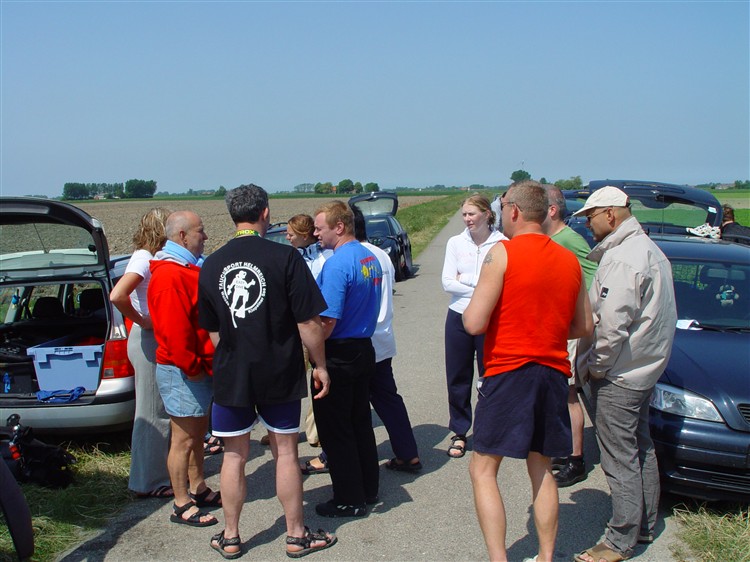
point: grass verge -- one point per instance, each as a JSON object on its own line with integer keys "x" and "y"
{"x": 424, "y": 221}
{"x": 714, "y": 533}
{"x": 62, "y": 518}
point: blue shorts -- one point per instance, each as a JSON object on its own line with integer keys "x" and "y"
{"x": 230, "y": 421}
{"x": 521, "y": 411}
{"x": 183, "y": 398}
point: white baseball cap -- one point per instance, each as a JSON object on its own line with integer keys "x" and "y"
{"x": 607, "y": 196}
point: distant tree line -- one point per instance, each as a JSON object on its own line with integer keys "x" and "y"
{"x": 738, "y": 184}
{"x": 139, "y": 189}
{"x": 131, "y": 189}
{"x": 344, "y": 186}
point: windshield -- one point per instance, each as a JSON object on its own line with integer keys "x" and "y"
{"x": 45, "y": 245}
{"x": 712, "y": 293}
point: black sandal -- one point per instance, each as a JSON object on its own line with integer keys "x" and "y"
{"x": 194, "y": 520}
{"x": 460, "y": 448}
{"x": 212, "y": 445}
{"x": 162, "y": 492}
{"x": 201, "y": 500}
{"x": 402, "y": 466}
{"x": 222, "y": 542}
{"x": 306, "y": 542}
{"x": 308, "y": 468}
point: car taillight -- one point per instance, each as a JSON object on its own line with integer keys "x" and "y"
{"x": 116, "y": 362}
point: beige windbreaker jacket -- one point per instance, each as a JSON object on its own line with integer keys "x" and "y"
{"x": 632, "y": 298}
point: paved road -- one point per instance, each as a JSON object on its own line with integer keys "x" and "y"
{"x": 426, "y": 517}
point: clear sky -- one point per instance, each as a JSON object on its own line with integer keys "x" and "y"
{"x": 196, "y": 95}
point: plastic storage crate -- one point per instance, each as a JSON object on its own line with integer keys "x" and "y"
{"x": 62, "y": 365}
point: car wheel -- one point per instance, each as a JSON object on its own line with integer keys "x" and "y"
{"x": 399, "y": 268}
{"x": 408, "y": 263}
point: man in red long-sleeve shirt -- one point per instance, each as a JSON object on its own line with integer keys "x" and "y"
{"x": 183, "y": 363}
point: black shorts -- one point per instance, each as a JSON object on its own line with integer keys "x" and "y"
{"x": 521, "y": 411}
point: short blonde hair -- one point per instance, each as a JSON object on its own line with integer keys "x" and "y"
{"x": 151, "y": 234}
{"x": 338, "y": 211}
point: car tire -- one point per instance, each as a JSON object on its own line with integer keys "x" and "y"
{"x": 399, "y": 268}
{"x": 408, "y": 263}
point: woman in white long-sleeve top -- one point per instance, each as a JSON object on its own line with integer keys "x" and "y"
{"x": 464, "y": 255}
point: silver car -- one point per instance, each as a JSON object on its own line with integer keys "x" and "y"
{"x": 63, "y": 345}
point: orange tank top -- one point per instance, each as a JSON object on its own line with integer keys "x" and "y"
{"x": 531, "y": 319}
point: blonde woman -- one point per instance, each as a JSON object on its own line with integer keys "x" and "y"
{"x": 464, "y": 255}
{"x": 150, "y": 443}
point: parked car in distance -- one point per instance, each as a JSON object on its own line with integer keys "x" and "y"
{"x": 700, "y": 408}
{"x": 59, "y": 330}
{"x": 383, "y": 229}
{"x": 659, "y": 207}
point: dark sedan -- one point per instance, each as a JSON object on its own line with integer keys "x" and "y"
{"x": 700, "y": 409}
{"x": 384, "y": 230}
{"x": 661, "y": 208}
{"x": 277, "y": 233}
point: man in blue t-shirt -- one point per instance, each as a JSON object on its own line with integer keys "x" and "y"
{"x": 350, "y": 283}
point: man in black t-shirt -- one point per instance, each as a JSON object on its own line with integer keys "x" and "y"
{"x": 259, "y": 302}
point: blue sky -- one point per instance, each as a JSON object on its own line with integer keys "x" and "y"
{"x": 196, "y": 95}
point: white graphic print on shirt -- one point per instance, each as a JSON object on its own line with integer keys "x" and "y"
{"x": 243, "y": 289}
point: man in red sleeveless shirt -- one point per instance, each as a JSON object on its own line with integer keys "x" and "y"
{"x": 530, "y": 299}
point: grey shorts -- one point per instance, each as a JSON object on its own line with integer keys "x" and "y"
{"x": 183, "y": 398}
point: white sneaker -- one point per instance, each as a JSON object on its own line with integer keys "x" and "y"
{"x": 703, "y": 230}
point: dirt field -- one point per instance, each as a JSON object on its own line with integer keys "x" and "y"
{"x": 120, "y": 218}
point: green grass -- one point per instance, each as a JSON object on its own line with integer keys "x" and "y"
{"x": 714, "y": 534}
{"x": 62, "y": 518}
{"x": 424, "y": 221}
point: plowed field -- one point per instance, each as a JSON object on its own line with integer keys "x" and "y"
{"x": 120, "y": 218}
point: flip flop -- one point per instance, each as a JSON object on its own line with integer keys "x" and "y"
{"x": 599, "y": 552}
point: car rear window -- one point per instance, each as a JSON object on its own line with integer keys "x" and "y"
{"x": 675, "y": 213}
{"x": 45, "y": 246}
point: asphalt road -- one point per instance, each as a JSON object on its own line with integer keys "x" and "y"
{"x": 429, "y": 516}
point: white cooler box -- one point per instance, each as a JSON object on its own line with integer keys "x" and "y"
{"x": 61, "y": 365}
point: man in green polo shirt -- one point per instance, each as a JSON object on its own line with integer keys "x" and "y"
{"x": 571, "y": 469}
